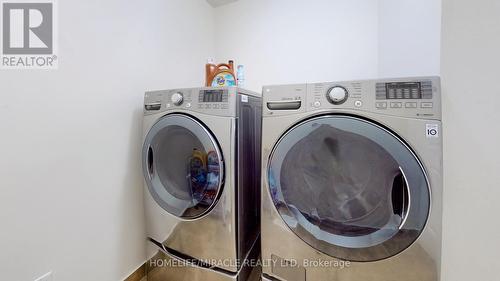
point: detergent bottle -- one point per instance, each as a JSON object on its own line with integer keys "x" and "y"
{"x": 220, "y": 75}
{"x": 198, "y": 174}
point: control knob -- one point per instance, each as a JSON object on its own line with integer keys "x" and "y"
{"x": 177, "y": 98}
{"x": 337, "y": 95}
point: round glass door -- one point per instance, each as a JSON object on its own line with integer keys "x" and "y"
{"x": 183, "y": 166}
{"x": 349, "y": 188}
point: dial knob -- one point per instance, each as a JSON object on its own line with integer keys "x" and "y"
{"x": 177, "y": 98}
{"x": 337, "y": 95}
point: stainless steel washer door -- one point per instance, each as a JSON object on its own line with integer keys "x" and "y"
{"x": 349, "y": 188}
{"x": 183, "y": 166}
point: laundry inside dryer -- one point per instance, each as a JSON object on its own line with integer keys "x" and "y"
{"x": 343, "y": 182}
{"x": 187, "y": 168}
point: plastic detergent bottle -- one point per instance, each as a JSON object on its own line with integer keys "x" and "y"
{"x": 240, "y": 73}
{"x": 220, "y": 75}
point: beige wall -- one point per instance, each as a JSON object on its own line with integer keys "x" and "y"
{"x": 70, "y": 172}
{"x": 471, "y": 100}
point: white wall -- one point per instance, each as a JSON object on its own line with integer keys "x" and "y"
{"x": 296, "y": 41}
{"x": 70, "y": 175}
{"x": 471, "y": 99}
{"x": 409, "y": 38}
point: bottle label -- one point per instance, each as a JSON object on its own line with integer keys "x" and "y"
{"x": 223, "y": 79}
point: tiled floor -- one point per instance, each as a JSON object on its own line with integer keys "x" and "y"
{"x": 161, "y": 274}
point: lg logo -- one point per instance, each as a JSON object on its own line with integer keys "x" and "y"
{"x": 27, "y": 28}
{"x": 432, "y": 130}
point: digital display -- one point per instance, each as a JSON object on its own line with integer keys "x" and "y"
{"x": 407, "y": 90}
{"x": 212, "y": 95}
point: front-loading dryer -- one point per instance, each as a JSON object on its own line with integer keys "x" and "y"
{"x": 352, "y": 181}
{"x": 201, "y": 165}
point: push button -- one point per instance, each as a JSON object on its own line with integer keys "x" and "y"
{"x": 396, "y": 105}
{"x": 381, "y": 105}
{"x": 411, "y": 105}
{"x": 426, "y": 105}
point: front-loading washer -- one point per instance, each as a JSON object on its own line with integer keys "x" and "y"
{"x": 201, "y": 165}
{"x": 352, "y": 181}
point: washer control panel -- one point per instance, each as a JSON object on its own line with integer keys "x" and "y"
{"x": 407, "y": 97}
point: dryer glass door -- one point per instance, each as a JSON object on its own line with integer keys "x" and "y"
{"x": 349, "y": 188}
{"x": 182, "y": 165}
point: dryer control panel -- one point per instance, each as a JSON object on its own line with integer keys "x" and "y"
{"x": 208, "y": 100}
{"x": 417, "y": 97}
